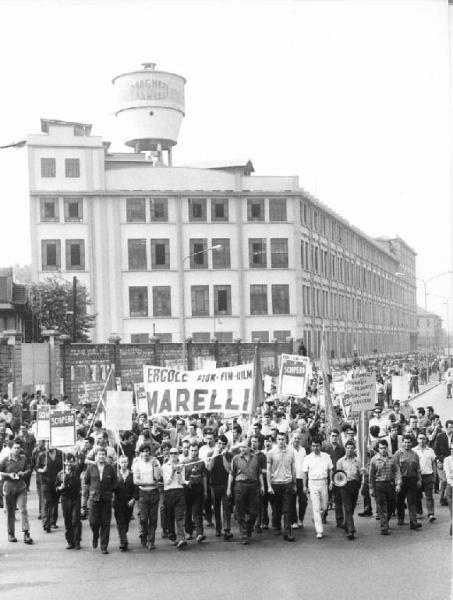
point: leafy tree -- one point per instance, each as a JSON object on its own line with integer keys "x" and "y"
{"x": 52, "y": 306}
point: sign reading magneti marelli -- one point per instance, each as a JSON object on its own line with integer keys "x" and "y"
{"x": 170, "y": 391}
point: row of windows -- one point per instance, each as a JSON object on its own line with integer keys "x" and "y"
{"x": 204, "y": 337}
{"x": 50, "y": 209}
{"x": 51, "y": 255}
{"x": 49, "y": 167}
{"x": 198, "y": 209}
{"x": 200, "y": 300}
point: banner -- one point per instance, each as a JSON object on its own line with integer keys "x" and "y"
{"x": 361, "y": 388}
{"x": 294, "y": 372}
{"x": 118, "y": 410}
{"x": 42, "y": 422}
{"x": 62, "y": 428}
{"x": 173, "y": 392}
{"x": 400, "y": 387}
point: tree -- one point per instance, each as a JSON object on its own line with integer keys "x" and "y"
{"x": 52, "y": 307}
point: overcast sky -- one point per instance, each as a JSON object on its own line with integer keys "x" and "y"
{"x": 351, "y": 96}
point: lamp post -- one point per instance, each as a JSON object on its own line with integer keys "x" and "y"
{"x": 183, "y": 306}
{"x": 18, "y": 144}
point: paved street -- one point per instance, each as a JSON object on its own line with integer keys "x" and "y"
{"x": 408, "y": 565}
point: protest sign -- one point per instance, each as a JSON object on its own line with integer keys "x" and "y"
{"x": 174, "y": 392}
{"x": 118, "y": 410}
{"x": 293, "y": 377}
{"x": 400, "y": 387}
{"x": 42, "y": 422}
{"x": 361, "y": 388}
{"x": 62, "y": 428}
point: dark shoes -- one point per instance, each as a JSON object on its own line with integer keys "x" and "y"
{"x": 385, "y": 532}
{"x": 95, "y": 543}
{"x": 366, "y": 513}
{"x": 27, "y": 538}
{"x": 181, "y": 544}
{"x": 104, "y": 551}
{"x": 350, "y": 536}
{"x": 78, "y": 546}
{"x": 12, "y": 538}
{"x": 415, "y": 526}
{"x": 227, "y": 536}
{"x": 289, "y": 538}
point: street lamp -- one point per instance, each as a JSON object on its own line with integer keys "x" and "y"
{"x": 182, "y": 298}
{"x": 18, "y": 144}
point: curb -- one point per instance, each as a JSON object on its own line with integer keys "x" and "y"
{"x": 424, "y": 391}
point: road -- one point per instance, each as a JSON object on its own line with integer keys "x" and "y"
{"x": 407, "y": 565}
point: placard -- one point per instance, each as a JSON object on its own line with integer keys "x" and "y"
{"x": 361, "y": 388}
{"x": 42, "y": 422}
{"x": 293, "y": 377}
{"x": 118, "y": 410}
{"x": 62, "y": 428}
{"x": 400, "y": 387}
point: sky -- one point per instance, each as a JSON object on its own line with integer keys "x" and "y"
{"x": 352, "y": 96}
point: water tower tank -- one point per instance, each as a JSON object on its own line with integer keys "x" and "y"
{"x": 149, "y": 107}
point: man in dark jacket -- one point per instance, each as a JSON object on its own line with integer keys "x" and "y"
{"x": 101, "y": 480}
{"x": 49, "y": 464}
{"x": 68, "y": 485}
{"x": 123, "y": 504}
{"x": 336, "y": 451}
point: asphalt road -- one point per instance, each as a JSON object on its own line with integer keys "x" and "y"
{"x": 407, "y": 565}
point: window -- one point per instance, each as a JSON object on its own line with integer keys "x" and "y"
{"x": 277, "y": 209}
{"x": 51, "y": 254}
{"x": 304, "y": 255}
{"x": 161, "y": 301}
{"x": 197, "y": 209}
{"x": 160, "y": 254}
{"x": 258, "y": 299}
{"x": 257, "y": 253}
{"x": 72, "y": 167}
{"x": 5, "y": 289}
{"x": 222, "y": 299}
{"x": 260, "y": 336}
{"x": 255, "y": 209}
{"x": 136, "y": 253}
{"x": 279, "y": 253}
{"x": 73, "y": 209}
{"x": 198, "y": 254}
{"x": 201, "y": 337}
{"x": 49, "y": 209}
{"x": 306, "y": 300}
{"x": 281, "y": 335}
{"x": 200, "y": 300}
{"x": 221, "y": 257}
{"x": 303, "y": 213}
{"x": 219, "y": 209}
{"x": 75, "y": 255}
{"x": 139, "y": 338}
{"x": 280, "y": 299}
{"x": 159, "y": 210}
{"x": 138, "y": 301}
{"x": 164, "y": 338}
{"x": 135, "y": 210}
{"x": 48, "y": 167}
{"x": 225, "y": 337}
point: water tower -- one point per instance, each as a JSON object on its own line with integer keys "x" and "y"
{"x": 149, "y": 107}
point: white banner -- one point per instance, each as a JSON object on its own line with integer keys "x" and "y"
{"x": 294, "y": 373}
{"x": 400, "y": 387}
{"x": 42, "y": 422}
{"x": 118, "y": 410}
{"x": 362, "y": 390}
{"x": 62, "y": 428}
{"x": 173, "y": 392}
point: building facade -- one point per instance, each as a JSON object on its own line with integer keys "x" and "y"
{"x": 430, "y": 335}
{"x": 14, "y": 309}
{"x": 211, "y": 251}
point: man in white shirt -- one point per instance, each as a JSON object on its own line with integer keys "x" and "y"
{"x": 300, "y": 497}
{"x": 317, "y": 470}
{"x": 147, "y": 474}
{"x": 378, "y": 420}
{"x": 428, "y": 468}
{"x": 174, "y": 498}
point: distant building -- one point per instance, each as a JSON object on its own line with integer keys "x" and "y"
{"x": 14, "y": 314}
{"x": 208, "y": 250}
{"x": 429, "y": 329}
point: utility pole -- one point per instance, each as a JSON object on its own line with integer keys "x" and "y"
{"x": 74, "y": 309}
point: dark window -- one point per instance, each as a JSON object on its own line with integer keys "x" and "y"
{"x": 279, "y": 253}
{"x": 138, "y": 301}
{"x": 200, "y": 300}
{"x": 72, "y": 167}
{"x": 198, "y": 254}
{"x": 4, "y": 290}
{"x": 161, "y": 301}
{"x": 280, "y": 299}
{"x": 48, "y": 167}
{"x": 261, "y": 336}
{"x": 164, "y": 338}
{"x": 258, "y": 299}
{"x": 49, "y": 209}
{"x": 221, "y": 256}
{"x": 51, "y": 254}
{"x": 197, "y": 209}
{"x": 219, "y": 209}
{"x": 139, "y": 338}
{"x": 201, "y": 337}
{"x": 159, "y": 210}
{"x": 135, "y": 210}
{"x": 225, "y": 337}
{"x": 281, "y": 335}
{"x": 277, "y": 209}
{"x": 257, "y": 253}
{"x": 255, "y": 209}
{"x": 136, "y": 252}
{"x": 222, "y": 299}
{"x": 73, "y": 209}
{"x": 75, "y": 255}
{"x": 160, "y": 254}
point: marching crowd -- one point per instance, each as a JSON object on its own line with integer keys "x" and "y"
{"x": 188, "y": 475}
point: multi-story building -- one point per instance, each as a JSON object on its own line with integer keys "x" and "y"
{"x": 430, "y": 335}
{"x": 210, "y": 250}
{"x": 14, "y": 309}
